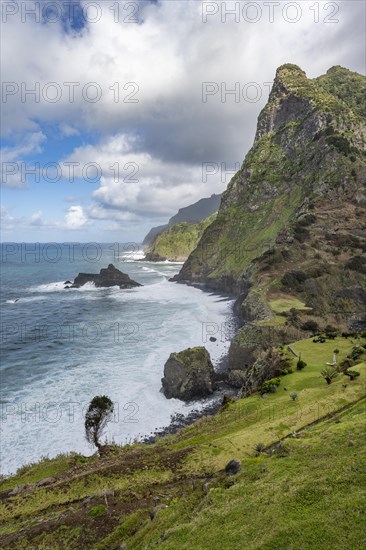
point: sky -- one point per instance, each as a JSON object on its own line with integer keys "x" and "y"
{"x": 115, "y": 114}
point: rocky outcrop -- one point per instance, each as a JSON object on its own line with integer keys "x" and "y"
{"x": 251, "y": 341}
{"x": 188, "y": 374}
{"x": 153, "y": 257}
{"x": 111, "y": 276}
{"x": 297, "y": 203}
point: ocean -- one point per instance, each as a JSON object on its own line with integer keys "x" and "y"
{"x": 61, "y": 347}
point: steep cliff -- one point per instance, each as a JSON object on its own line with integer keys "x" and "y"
{"x": 177, "y": 242}
{"x": 292, "y": 222}
{"x": 193, "y": 213}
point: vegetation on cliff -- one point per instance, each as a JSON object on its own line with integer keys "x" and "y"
{"x": 178, "y": 241}
{"x": 291, "y": 220}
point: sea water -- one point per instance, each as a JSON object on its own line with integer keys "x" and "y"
{"x": 62, "y": 347}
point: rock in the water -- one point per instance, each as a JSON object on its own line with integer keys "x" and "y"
{"x": 188, "y": 374}
{"x": 68, "y": 283}
{"x": 111, "y": 276}
{"x": 153, "y": 257}
{"x": 233, "y": 467}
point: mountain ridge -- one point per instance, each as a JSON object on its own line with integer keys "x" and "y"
{"x": 306, "y": 165}
{"x": 193, "y": 213}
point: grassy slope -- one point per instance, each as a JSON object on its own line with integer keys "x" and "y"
{"x": 309, "y": 498}
{"x": 178, "y": 241}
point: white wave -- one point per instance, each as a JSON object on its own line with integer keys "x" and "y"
{"x": 60, "y": 286}
{"x": 170, "y": 317}
{"x": 132, "y": 256}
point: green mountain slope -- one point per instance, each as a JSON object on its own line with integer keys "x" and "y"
{"x": 178, "y": 241}
{"x": 193, "y": 213}
{"x": 298, "y": 202}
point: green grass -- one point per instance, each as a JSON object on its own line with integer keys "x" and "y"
{"x": 312, "y": 498}
{"x": 309, "y": 497}
{"x": 285, "y": 304}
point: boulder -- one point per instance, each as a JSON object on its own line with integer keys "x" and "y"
{"x": 19, "y": 489}
{"x": 111, "y": 276}
{"x": 45, "y": 481}
{"x": 233, "y": 467}
{"x": 188, "y": 374}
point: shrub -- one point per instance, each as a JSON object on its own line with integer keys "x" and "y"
{"x": 266, "y": 386}
{"x": 294, "y": 396}
{"x": 357, "y": 263}
{"x": 356, "y": 352}
{"x": 293, "y": 279}
{"x": 346, "y": 363}
{"x": 336, "y": 351}
{"x": 310, "y": 325}
{"x": 329, "y": 374}
{"x": 259, "y": 448}
{"x": 300, "y": 365}
{"x": 97, "y": 511}
{"x": 340, "y": 142}
{"x": 352, "y": 374}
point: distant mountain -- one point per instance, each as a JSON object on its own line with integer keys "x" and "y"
{"x": 175, "y": 243}
{"x": 194, "y": 213}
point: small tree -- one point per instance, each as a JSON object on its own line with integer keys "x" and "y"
{"x": 352, "y": 374}
{"x": 294, "y": 396}
{"x": 300, "y": 364}
{"x": 96, "y": 418}
{"x": 329, "y": 374}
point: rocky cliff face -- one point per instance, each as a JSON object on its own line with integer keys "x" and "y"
{"x": 297, "y": 204}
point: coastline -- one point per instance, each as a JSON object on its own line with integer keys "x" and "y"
{"x": 214, "y": 402}
{"x": 171, "y": 320}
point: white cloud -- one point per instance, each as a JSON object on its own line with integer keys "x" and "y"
{"x": 75, "y": 218}
{"x": 67, "y": 130}
{"x": 13, "y": 173}
{"x": 169, "y": 132}
{"x": 36, "y": 218}
{"x": 169, "y": 56}
{"x": 136, "y": 183}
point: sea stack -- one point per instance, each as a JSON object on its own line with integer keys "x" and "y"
{"x": 110, "y": 276}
